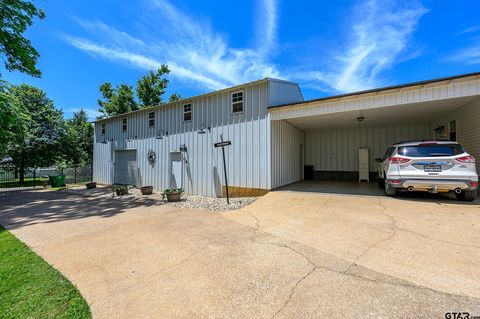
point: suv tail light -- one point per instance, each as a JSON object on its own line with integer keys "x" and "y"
{"x": 466, "y": 159}
{"x": 398, "y": 160}
{"x": 474, "y": 183}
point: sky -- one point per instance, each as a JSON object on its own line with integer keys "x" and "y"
{"x": 328, "y": 47}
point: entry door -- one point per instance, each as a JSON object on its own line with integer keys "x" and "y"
{"x": 126, "y": 167}
{"x": 176, "y": 170}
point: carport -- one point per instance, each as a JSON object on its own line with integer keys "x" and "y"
{"x": 326, "y": 136}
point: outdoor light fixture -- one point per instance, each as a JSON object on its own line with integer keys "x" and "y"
{"x": 360, "y": 118}
{"x": 160, "y": 134}
{"x": 203, "y": 128}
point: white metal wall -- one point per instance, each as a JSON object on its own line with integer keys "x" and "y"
{"x": 467, "y": 120}
{"x": 283, "y": 92}
{"x": 337, "y": 150}
{"x": 248, "y": 158}
{"x": 286, "y": 157}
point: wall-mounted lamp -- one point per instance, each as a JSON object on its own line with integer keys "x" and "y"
{"x": 161, "y": 134}
{"x": 203, "y": 128}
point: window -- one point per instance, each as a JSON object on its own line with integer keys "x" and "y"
{"x": 388, "y": 153}
{"x": 237, "y": 102}
{"x": 124, "y": 124}
{"x": 187, "y": 112}
{"x": 151, "y": 119}
{"x": 103, "y": 128}
{"x": 431, "y": 150}
{"x": 453, "y": 130}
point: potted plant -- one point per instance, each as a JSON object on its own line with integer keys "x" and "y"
{"x": 146, "y": 190}
{"x": 121, "y": 190}
{"x": 91, "y": 185}
{"x": 173, "y": 194}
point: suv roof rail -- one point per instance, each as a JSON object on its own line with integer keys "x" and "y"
{"x": 429, "y": 140}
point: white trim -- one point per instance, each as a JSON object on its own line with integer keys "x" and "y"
{"x": 243, "y": 102}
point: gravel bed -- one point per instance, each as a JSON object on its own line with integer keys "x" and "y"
{"x": 188, "y": 201}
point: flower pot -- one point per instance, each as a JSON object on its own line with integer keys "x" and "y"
{"x": 174, "y": 196}
{"x": 91, "y": 185}
{"x": 121, "y": 191}
{"x": 146, "y": 190}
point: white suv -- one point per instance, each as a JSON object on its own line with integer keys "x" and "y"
{"x": 433, "y": 166}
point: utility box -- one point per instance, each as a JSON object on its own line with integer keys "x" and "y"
{"x": 363, "y": 169}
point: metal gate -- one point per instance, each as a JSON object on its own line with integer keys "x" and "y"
{"x": 126, "y": 168}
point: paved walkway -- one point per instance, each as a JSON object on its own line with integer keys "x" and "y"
{"x": 288, "y": 255}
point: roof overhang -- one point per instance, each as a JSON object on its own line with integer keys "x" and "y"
{"x": 409, "y": 103}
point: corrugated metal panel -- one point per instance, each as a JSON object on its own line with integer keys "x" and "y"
{"x": 444, "y": 90}
{"x": 337, "y": 150}
{"x": 287, "y": 153}
{"x": 467, "y": 120}
{"x": 282, "y": 92}
{"x": 248, "y": 157}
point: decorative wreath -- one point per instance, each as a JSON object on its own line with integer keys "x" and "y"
{"x": 151, "y": 157}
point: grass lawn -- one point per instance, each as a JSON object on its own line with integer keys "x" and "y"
{"x": 31, "y": 288}
{"x": 28, "y": 182}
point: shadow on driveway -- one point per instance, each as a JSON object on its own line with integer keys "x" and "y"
{"x": 25, "y": 207}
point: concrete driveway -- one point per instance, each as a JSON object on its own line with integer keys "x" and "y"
{"x": 288, "y": 255}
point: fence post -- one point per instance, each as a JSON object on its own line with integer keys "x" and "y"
{"x": 34, "y": 177}
{"x": 75, "y": 174}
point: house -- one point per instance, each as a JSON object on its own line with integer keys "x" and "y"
{"x": 275, "y": 134}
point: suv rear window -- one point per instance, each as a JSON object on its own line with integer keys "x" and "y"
{"x": 431, "y": 150}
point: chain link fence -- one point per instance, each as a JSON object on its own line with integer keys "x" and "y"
{"x": 39, "y": 177}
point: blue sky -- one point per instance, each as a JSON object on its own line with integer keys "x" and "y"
{"x": 329, "y": 47}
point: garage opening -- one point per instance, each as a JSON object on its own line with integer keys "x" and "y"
{"x": 336, "y": 139}
{"x": 126, "y": 168}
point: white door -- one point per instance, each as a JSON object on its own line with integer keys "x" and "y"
{"x": 126, "y": 168}
{"x": 176, "y": 170}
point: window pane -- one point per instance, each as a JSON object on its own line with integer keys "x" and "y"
{"x": 431, "y": 150}
{"x": 187, "y": 116}
{"x": 237, "y": 107}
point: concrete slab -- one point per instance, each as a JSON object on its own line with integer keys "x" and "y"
{"x": 289, "y": 255}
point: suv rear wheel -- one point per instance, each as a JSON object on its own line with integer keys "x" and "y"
{"x": 389, "y": 191}
{"x": 467, "y": 195}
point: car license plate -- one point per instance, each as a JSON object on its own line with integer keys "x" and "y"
{"x": 432, "y": 168}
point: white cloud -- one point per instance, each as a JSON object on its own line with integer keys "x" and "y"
{"x": 470, "y": 30}
{"x": 469, "y": 55}
{"x": 193, "y": 51}
{"x": 381, "y": 32}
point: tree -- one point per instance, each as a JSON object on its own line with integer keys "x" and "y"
{"x": 151, "y": 87}
{"x": 117, "y": 100}
{"x": 77, "y": 142}
{"x": 39, "y": 144}
{"x": 12, "y": 118}
{"x": 17, "y": 52}
{"x": 174, "y": 97}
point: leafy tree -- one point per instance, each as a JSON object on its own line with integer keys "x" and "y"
{"x": 117, "y": 100}
{"x": 152, "y": 86}
{"x": 174, "y": 97}
{"x": 12, "y": 118}
{"x": 38, "y": 145}
{"x": 77, "y": 142}
{"x": 17, "y": 51}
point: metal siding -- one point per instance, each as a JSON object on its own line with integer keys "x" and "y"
{"x": 444, "y": 90}
{"x": 248, "y": 158}
{"x": 283, "y": 92}
{"x": 285, "y": 155}
{"x": 337, "y": 150}
{"x": 467, "y": 119}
